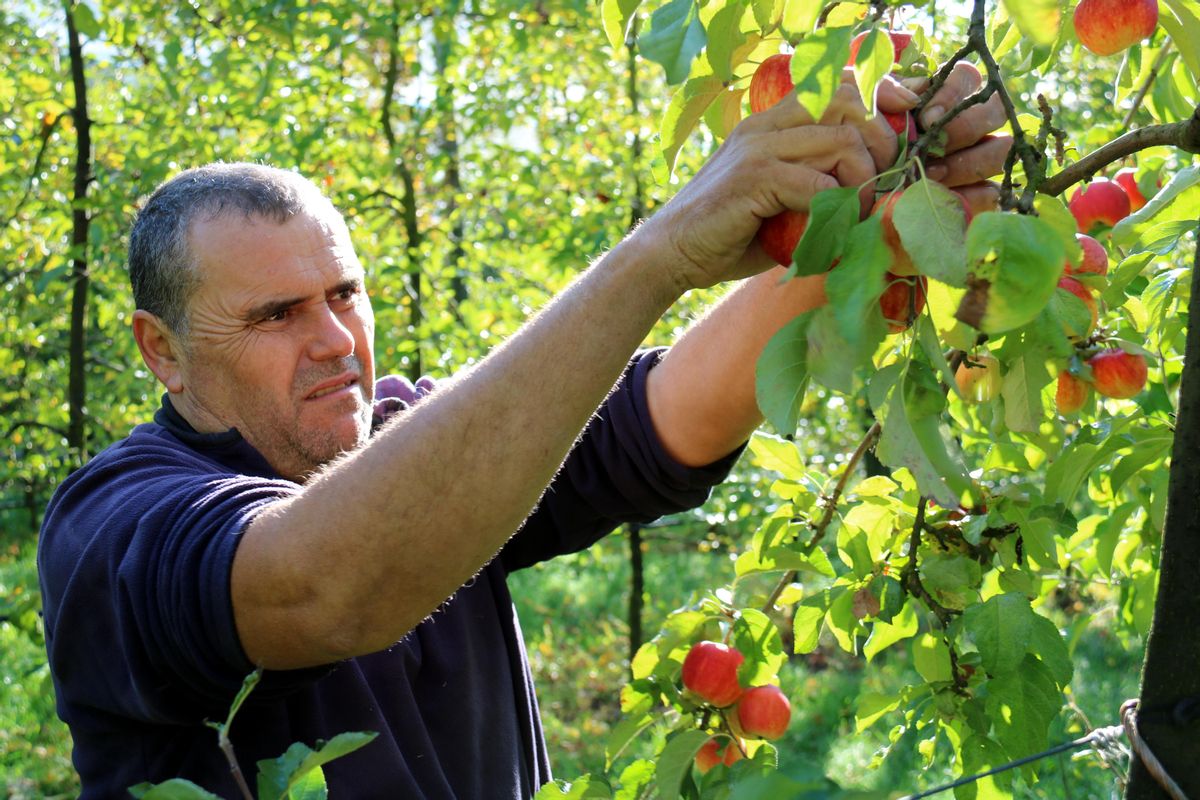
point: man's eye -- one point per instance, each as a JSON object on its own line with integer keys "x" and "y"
{"x": 278, "y": 316}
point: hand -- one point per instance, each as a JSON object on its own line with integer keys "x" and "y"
{"x": 773, "y": 160}
{"x": 973, "y": 153}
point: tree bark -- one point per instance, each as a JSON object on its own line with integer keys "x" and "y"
{"x": 1170, "y": 672}
{"x": 77, "y": 376}
{"x": 412, "y": 229}
{"x": 637, "y": 588}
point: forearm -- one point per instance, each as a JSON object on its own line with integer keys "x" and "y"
{"x": 701, "y": 395}
{"x": 378, "y": 540}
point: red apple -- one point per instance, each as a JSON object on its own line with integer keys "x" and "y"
{"x": 1070, "y": 394}
{"x": 1085, "y": 294}
{"x": 764, "y": 712}
{"x": 771, "y": 82}
{"x": 1100, "y": 202}
{"x": 1109, "y": 26}
{"x": 780, "y": 234}
{"x": 901, "y": 264}
{"x": 1095, "y": 258}
{"x": 710, "y": 672}
{"x": 1127, "y": 178}
{"x": 712, "y": 753}
{"x": 903, "y": 301}
{"x": 903, "y": 124}
{"x": 1118, "y": 374}
{"x": 978, "y": 378}
{"x": 900, "y": 40}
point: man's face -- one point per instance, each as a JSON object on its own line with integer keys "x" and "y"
{"x": 280, "y": 338}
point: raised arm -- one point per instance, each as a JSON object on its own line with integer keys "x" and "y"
{"x": 376, "y": 541}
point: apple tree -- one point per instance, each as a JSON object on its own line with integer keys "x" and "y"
{"x": 1023, "y": 366}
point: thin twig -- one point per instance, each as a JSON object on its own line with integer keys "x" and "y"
{"x": 868, "y": 441}
{"x": 910, "y": 579}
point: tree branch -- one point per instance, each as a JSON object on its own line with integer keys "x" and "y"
{"x": 1184, "y": 135}
{"x": 868, "y": 441}
{"x": 1145, "y": 87}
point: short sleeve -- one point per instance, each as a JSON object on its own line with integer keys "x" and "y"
{"x": 618, "y": 472}
{"x": 135, "y": 563}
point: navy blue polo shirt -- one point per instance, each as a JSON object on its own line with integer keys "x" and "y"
{"x": 134, "y": 561}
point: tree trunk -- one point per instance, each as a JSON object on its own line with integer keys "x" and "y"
{"x": 77, "y": 379}
{"x": 412, "y": 228}
{"x": 1170, "y": 672}
{"x": 637, "y": 588}
{"x": 448, "y": 143}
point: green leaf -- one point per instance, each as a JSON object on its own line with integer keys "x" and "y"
{"x": 675, "y": 38}
{"x": 871, "y": 706}
{"x": 855, "y": 284}
{"x": 585, "y": 787}
{"x": 622, "y": 734}
{"x": 931, "y": 658}
{"x": 1130, "y": 229}
{"x": 1047, "y": 644}
{"x": 782, "y": 375}
{"x": 899, "y": 447}
{"x": 174, "y": 789}
{"x": 766, "y": 13}
{"x": 1022, "y": 704}
{"x": 1022, "y": 392}
{"x": 277, "y": 776}
{"x": 1001, "y": 629}
{"x": 757, "y": 638}
{"x": 675, "y": 760}
{"x": 1184, "y": 29}
{"x": 885, "y": 634}
{"x": 1016, "y": 262}
{"x": 952, "y": 580}
{"x": 799, "y": 17}
{"x": 725, "y": 35}
{"x": 874, "y": 60}
{"x": 806, "y": 626}
{"x": 1037, "y": 19}
{"x": 817, "y": 65}
{"x": 773, "y": 453}
{"x": 617, "y": 16}
{"x": 309, "y": 786}
{"x": 85, "y": 21}
{"x": 932, "y": 227}
{"x": 981, "y": 754}
{"x": 686, "y": 108}
{"x": 831, "y": 218}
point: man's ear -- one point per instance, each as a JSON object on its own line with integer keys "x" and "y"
{"x": 161, "y": 349}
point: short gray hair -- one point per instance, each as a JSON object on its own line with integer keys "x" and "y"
{"x": 162, "y": 267}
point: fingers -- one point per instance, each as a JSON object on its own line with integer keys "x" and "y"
{"x": 972, "y": 124}
{"x": 964, "y": 80}
{"x": 972, "y": 164}
{"x": 894, "y": 97}
{"x": 838, "y": 150}
{"x": 981, "y": 197}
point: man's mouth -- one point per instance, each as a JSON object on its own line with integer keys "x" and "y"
{"x": 332, "y": 386}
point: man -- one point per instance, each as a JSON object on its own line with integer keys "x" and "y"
{"x": 258, "y": 522}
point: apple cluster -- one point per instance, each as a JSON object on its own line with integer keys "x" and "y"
{"x": 905, "y": 291}
{"x": 710, "y": 676}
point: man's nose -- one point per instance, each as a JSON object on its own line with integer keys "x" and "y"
{"x": 330, "y": 336}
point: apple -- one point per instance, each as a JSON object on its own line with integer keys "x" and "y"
{"x": 710, "y": 672}
{"x": 903, "y": 124}
{"x": 1100, "y": 202}
{"x": 1127, "y": 178}
{"x": 780, "y": 234}
{"x": 978, "y": 378}
{"x": 1085, "y": 294}
{"x": 903, "y": 301}
{"x": 900, "y": 40}
{"x": 1109, "y": 26}
{"x": 764, "y": 712}
{"x": 1118, "y": 374}
{"x": 712, "y": 753}
{"x": 771, "y": 82}
{"x": 901, "y": 264}
{"x": 1095, "y": 258}
{"x": 1070, "y": 394}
